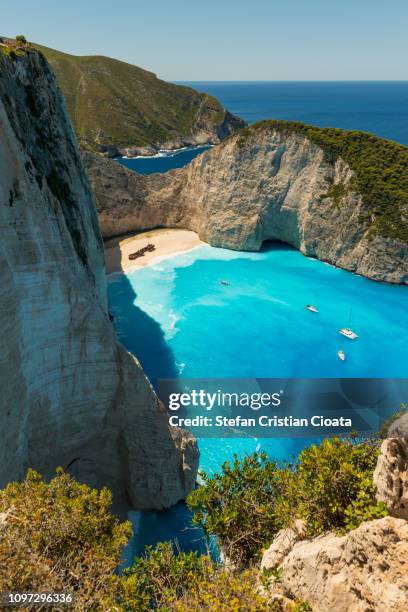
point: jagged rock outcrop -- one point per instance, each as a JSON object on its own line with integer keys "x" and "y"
{"x": 365, "y": 570}
{"x": 399, "y": 428}
{"x": 71, "y": 395}
{"x": 391, "y": 476}
{"x": 282, "y": 544}
{"x": 391, "y": 473}
{"x": 265, "y": 183}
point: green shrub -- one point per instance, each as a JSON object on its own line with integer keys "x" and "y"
{"x": 383, "y": 432}
{"x": 330, "y": 487}
{"x": 60, "y": 536}
{"x": 21, "y": 40}
{"x": 160, "y": 577}
{"x": 8, "y": 51}
{"x": 164, "y": 580}
{"x": 221, "y": 591}
{"x": 237, "y": 505}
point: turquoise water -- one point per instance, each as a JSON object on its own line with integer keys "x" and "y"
{"x": 178, "y": 319}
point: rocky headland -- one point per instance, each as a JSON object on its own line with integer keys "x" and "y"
{"x": 121, "y": 109}
{"x": 338, "y": 196}
{"x": 71, "y": 395}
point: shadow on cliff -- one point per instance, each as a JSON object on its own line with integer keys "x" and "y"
{"x": 139, "y": 333}
{"x": 276, "y": 245}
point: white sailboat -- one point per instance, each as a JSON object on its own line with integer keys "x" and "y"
{"x": 312, "y": 308}
{"x": 347, "y": 332}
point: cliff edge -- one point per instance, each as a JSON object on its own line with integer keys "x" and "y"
{"x": 71, "y": 395}
{"x": 341, "y": 197}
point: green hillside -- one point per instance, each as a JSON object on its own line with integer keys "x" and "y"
{"x": 112, "y": 102}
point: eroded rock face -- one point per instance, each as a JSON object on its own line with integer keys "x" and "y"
{"x": 282, "y": 544}
{"x": 399, "y": 428}
{"x": 272, "y": 186}
{"x": 275, "y": 186}
{"x": 71, "y": 395}
{"x": 363, "y": 571}
{"x": 391, "y": 476}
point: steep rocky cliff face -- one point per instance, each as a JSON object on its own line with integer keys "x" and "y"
{"x": 266, "y": 183}
{"x": 71, "y": 395}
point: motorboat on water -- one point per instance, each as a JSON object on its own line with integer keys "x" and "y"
{"x": 224, "y": 282}
{"x": 341, "y": 355}
{"x": 348, "y": 333}
{"x": 312, "y": 308}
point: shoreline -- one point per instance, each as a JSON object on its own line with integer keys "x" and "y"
{"x": 168, "y": 243}
{"x": 165, "y": 152}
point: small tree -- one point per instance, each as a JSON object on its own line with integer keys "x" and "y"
{"x": 237, "y": 505}
{"x": 21, "y": 40}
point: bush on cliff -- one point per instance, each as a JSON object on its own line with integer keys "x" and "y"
{"x": 329, "y": 487}
{"x": 21, "y": 40}
{"x": 164, "y": 580}
{"x": 237, "y": 505}
{"x": 60, "y": 536}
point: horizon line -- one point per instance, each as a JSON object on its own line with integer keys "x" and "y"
{"x": 288, "y": 81}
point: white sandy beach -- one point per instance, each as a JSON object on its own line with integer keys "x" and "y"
{"x": 167, "y": 242}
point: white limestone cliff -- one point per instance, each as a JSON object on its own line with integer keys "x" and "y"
{"x": 365, "y": 570}
{"x": 268, "y": 184}
{"x": 71, "y": 396}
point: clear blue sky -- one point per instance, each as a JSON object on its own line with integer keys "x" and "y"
{"x": 227, "y": 39}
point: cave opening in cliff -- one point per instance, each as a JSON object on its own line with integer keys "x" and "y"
{"x": 273, "y": 244}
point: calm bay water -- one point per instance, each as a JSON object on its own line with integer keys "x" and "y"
{"x": 162, "y": 162}
{"x": 179, "y": 321}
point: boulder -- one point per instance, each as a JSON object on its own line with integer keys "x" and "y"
{"x": 399, "y": 428}
{"x": 365, "y": 570}
{"x": 391, "y": 476}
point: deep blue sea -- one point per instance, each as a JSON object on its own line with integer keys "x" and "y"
{"x": 380, "y": 107}
{"x": 178, "y": 319}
